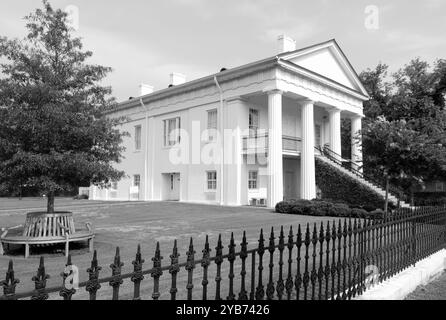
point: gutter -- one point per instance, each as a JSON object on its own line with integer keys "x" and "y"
{"x": 146, "y": 151}
{"x": 222, "y": 137}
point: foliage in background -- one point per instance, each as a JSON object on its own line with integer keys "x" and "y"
{"x": 404, "y": 137}
{"x": 53, "y": 133}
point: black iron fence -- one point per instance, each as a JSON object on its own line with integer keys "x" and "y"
{"x": 334, "y": 260}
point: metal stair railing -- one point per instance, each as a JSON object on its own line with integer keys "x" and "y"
{"x": 351, "y": 166}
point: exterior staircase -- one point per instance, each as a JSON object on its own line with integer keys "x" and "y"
{"x": 331, "y": 158}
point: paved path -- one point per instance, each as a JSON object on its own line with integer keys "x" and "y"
{"x": 435, "y": 290}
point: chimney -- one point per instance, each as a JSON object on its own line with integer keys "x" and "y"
{"x": 145, "y": 89}
{"x": 177, "y": 78}
{"x": 286, "y": 44}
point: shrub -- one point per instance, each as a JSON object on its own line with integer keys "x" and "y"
{"x": 81, "y": 197}
{"x": 324, "y": 208}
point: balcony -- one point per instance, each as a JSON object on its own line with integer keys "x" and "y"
{"x": 258, "y": 144}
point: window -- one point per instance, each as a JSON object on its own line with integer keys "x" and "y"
{"x": 172, "y": 183}
{"x": 253, "y": 121}
{"x": 114, "y": 185}
{"x": 136, "y": 180}
{"x": 212, "y": 124}
{"x": 252, "y": 180}
{"x": 439, "y": 186}
{"x": 211, "y": 180}
{"x": 171, "y": 132}
{"x": 137, "y": 138}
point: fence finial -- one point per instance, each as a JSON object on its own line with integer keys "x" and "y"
{"x": 40, "y": 282}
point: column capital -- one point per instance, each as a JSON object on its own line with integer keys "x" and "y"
{"x": 334, "y": 110}
{"x": 307, "y": 101}
{"x": 273, "y": 91}
{"x": 357, "y": 116}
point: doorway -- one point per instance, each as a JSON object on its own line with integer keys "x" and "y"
{"x": 172, "y": 186}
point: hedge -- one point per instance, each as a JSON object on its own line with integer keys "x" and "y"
{"x": 324, "y": 208}
{"x": 339, "y": 187}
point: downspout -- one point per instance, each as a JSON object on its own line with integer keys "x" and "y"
{"x": 222, "y": 150}
{"x": 146, "y": 151}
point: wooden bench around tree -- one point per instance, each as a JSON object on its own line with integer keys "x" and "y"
{"x": 46, "y": 229}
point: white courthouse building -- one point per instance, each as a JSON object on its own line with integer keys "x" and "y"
{"x": 243, "y": 136}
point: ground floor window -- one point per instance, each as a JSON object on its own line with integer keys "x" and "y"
{"x": 211, "y": 180}
{"x": 252, "y": 179}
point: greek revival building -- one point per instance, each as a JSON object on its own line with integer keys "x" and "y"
{"x": 243, "y": 136}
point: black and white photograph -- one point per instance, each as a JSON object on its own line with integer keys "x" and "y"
{"x": 241, "y": 152}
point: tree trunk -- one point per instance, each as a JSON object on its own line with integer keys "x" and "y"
{"x": 386, "y": 203}
{"x": 50, "y": 202}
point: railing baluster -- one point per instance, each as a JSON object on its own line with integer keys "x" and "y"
{"x": 10, "y": 283}
{"x": 205, "y": 263}
{"x": 231, "y": 259}
{"x": 156, "y": 272}
{"x": 280, "y": 287}
{"x": 260, "y": 291}
{"x": 243, "y": 295}
{"x": 137, "y": 276}
{"x": 298, "y": 278}
{"x": 116, "y": 267}
{"x": 355, "y": 262}
{"x": 333, "y": 260}
{"x": 289, "y": 280}
{"x": 173, "y": 270}
{"x": 93, "y": 284}
{"x": 350, "y": 259}
{"x": 271, "y": 249}
{"x": 344, "y": 261}
{"x": 339, "y": 262}
{"x": 218, "y": 262}
{"x": 313, "y": 275}
{"x": 190, "y": 266}
{"x": 68, "y": 289}
{"x": 40, "y": 282}
{"x": 306, "y": 277}
{"x": 252, "y": 294}
{"x": 327, "y": 261}
{"x": 320, "y": 274}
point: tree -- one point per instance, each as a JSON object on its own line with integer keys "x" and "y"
{"x": 53, "y": 132}
{"x": 404, "y": 137}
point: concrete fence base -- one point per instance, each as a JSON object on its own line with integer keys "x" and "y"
{"x": 401, "y": 285}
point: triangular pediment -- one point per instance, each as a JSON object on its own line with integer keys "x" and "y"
{"x": 328, "y": 60}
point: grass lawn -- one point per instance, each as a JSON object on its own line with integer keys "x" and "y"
{"x": 435, "y": 290}
{"x": 127, "y": 224}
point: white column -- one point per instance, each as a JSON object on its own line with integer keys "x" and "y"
{"x": 308, "y": 174}
{"x": 335, "y": 130}
{"x": 357, "y": 142}
{"x": 275, "y": 162}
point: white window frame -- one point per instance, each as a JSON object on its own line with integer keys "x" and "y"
{"x": 169, "y": 139}
{"x": 212, "y": 125}
{"x": 253, "y": 122}
{"x": 211, "y": 181}
{"x": 253, "y": 183}
{"x": 138, "y": 138}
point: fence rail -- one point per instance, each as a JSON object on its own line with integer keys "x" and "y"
{"x": 335, "y": 260}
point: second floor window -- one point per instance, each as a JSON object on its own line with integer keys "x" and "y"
{"x": 253, "y": 122}
{"x": 171, "y": 132}
{"x": 212, "y": 125}
{"x": 137, "y": 137}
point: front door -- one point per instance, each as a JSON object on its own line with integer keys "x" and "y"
{"x": 174, "y": 187}
{"x": 290, "y": 185}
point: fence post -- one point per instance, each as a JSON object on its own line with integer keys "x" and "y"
{"x": 137, "y": 276}
{"x": 93, "y": 284}
{"x": 9, "y": 284}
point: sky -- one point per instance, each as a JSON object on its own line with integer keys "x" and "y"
{"x": 144, "y": 41}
